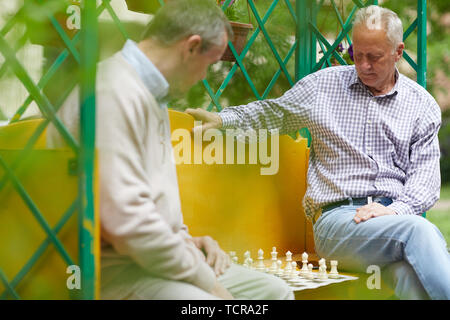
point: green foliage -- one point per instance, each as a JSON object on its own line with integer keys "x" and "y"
{"x": 259, "y": 62}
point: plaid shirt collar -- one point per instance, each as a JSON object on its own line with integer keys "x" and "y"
{"x": 355, "y": 80}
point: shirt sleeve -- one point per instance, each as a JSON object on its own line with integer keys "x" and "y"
{"x": 285, "y": 114}
{"x": 423, "y": 179}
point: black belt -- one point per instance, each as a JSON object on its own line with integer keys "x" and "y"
{"x": 356, "y": 202}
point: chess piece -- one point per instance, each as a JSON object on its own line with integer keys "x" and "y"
{"x": 246, "y": 259}
{"x": 304, "y": 271}
{"x": 333, "y": 272}
{"x": 279, "y": 272}
{"x": 288, "y": 268}
{"x": 250, "y": 263}
{"x": 310, "y": 274}
{"x": 233, "y": 257}
{"x": 322, "y": 270}
{"x": 294, "y": 272}
{"x": 274, "y": 267}
{"x": 261, "y": 266}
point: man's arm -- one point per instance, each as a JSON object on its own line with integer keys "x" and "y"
{"x": 285, "y": 114}
{"x": 423, "y": 178}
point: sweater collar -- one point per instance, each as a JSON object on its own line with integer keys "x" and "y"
{"x": 147, "y": 71}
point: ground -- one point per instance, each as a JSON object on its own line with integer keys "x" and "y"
{"x": 440, "y": 213}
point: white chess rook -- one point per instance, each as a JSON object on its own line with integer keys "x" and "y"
{"x": 333, "y": 272}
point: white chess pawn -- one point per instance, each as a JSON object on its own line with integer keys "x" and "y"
{"x": 310, "y": 274}
{"x": 274, "y": 267}
{"x": 288, "y": 268}
{"x": 294, "y": 272}
{"x": 260, "y": 266}
{"x": 304, "y": 271}
{"x": 279, "y": 272}
{"x": 333, "y": 272}
{"x": 233, "y": 257}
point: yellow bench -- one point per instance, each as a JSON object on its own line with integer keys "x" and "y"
{"x": 233, "y": 203}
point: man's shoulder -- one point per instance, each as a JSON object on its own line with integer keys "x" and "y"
{"x": 341, "y": 74}
{"x": 412, "y": 90}
{"x": 115, "y": 72}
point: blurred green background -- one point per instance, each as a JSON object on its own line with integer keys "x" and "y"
{"x": 260, "y": 62}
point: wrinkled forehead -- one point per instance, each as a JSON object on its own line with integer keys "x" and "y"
{"x": 373, "y": 37}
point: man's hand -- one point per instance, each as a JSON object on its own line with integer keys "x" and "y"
{"x": 209, "y": 120}
{"x": 220, "y": 292}
{"x": 215, "y": 256}
{"x": 371, "y": 210}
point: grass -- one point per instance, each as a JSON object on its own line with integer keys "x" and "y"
{"x": 441, "y": 217}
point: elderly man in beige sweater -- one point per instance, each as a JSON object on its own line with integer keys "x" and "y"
{"x": 147, "y": 252}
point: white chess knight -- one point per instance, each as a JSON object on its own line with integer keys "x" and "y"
{"x": 304, "y": 271}
{"x": 322, "y": 270}
{"x": 260, "y": 266}
{"x": 274, "y": 267}
{"x": 247, "y": 259}
{"x": 333, "y": 272}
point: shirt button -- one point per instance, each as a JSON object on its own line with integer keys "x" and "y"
{"x": 368, "y": 148}
{"x": 369, "y": 121}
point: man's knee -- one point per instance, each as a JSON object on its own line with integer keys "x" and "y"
{"x": 401, "y": 277}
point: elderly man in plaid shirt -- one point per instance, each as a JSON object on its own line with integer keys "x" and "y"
{"x": 374, "y": 162}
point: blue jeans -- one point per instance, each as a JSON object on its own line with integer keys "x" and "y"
{"x": 410, "y": 249}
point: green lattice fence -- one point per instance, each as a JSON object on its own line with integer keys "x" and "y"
{"x": 82, "y": 48}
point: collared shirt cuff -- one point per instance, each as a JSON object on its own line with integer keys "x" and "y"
{"x": 229, "y": 119}
{"x": 401, "y": 208}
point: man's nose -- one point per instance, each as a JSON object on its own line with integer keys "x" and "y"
{"x": 365, "y": 64}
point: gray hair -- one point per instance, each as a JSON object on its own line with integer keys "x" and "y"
{"x": 378, "y": 18}
{"x": 179, "y": 19}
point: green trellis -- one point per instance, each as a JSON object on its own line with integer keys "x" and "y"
{"x": 303, "y": 51}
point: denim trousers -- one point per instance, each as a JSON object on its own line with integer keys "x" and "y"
{"x": 409, "y": 250}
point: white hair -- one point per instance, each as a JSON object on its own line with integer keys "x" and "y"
{"x": 378, "y": 18}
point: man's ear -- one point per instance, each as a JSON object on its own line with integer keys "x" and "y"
{"x": 194, "y": 43}
{"x": 399, "y": 51}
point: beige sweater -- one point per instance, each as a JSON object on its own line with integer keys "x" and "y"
{"x": 140, "y": 212}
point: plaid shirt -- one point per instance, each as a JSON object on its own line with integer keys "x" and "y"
{"x": 362, "y": 145}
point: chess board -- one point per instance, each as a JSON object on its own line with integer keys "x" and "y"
{"x": 291, "y": 271}
{"x": 303, "y": 284}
